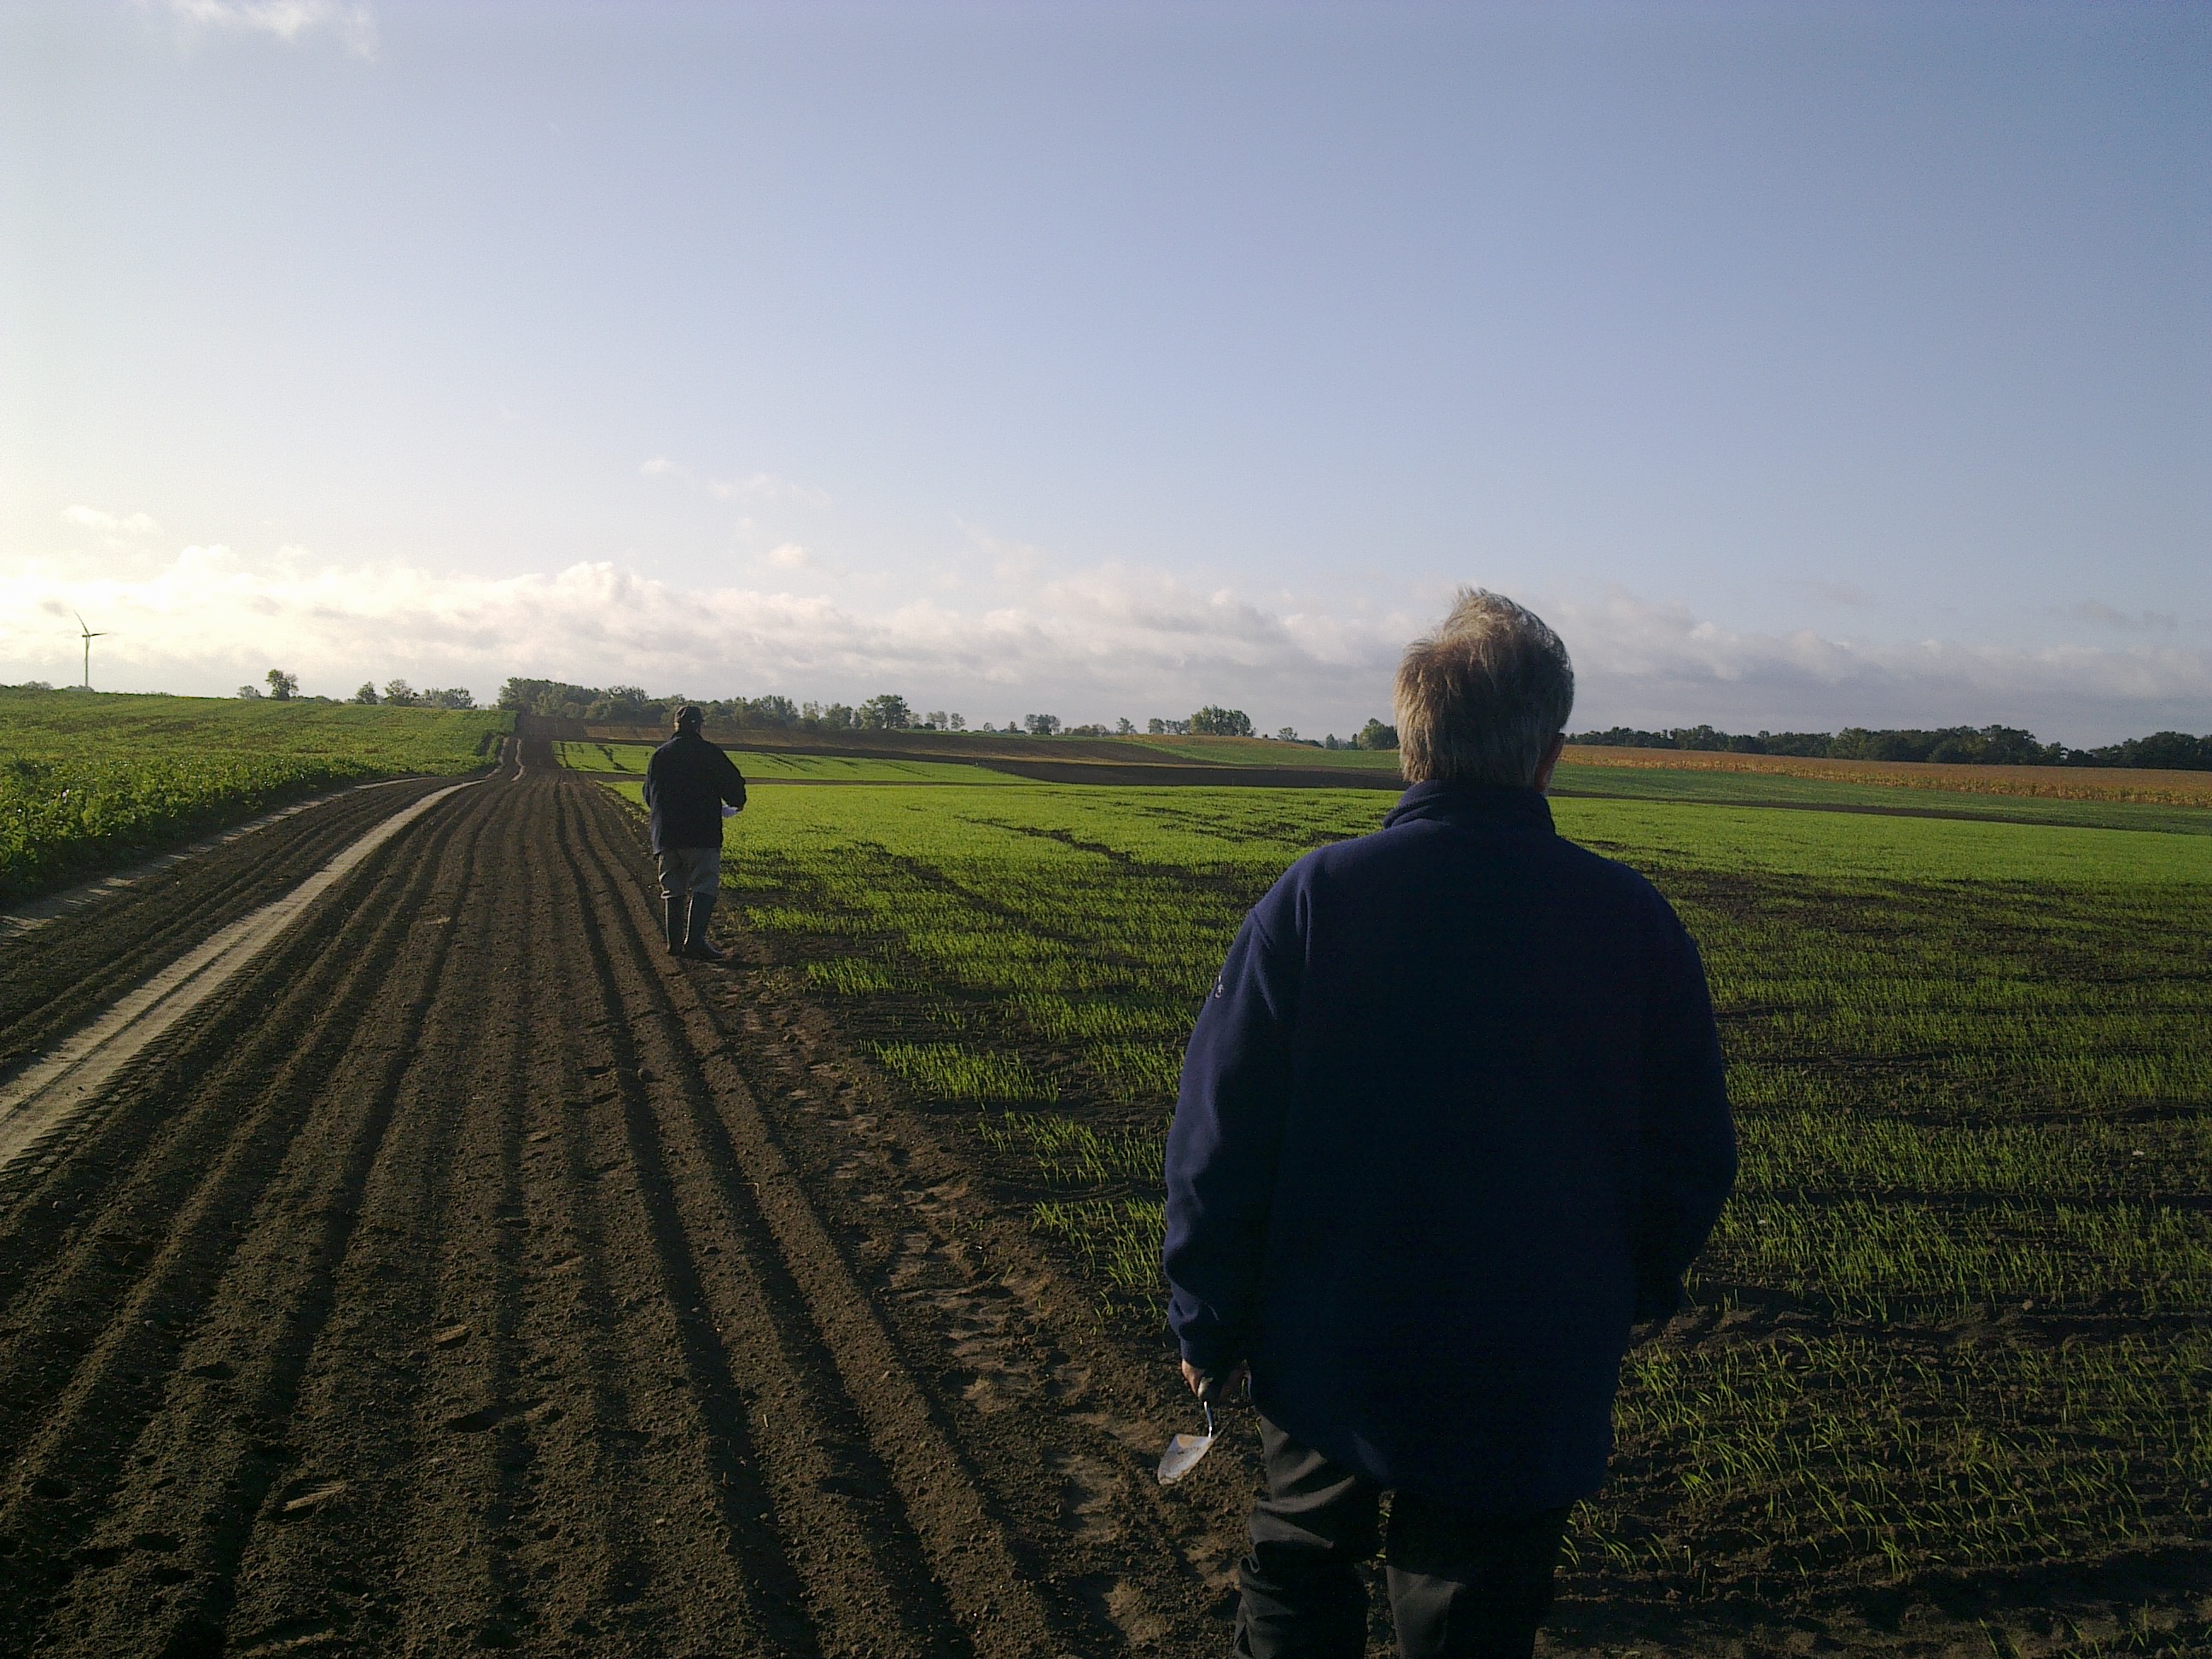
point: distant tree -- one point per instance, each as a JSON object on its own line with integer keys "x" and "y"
{"x": 1123, "y": 727}
{"x": 2164, "y": 751}
{"x": 1286, "y": 735}
{"x": 553, "y": 699}
{"x": 885, "y": 712}
{"x": 367, "y": 694}
{"x": 1042, "y": 725}
{"x": 282, "y": 686}
{"x": 627, "y": 705}
{"x": 1330, "y": 742}
{"x": 249, "y": 691}
{"x": 400, "y": 694}
{"x": 448, "y": 696}
{"x": 1376, "y": 735}
{"x": 1214, "y": 721}
{"x": 956, "y": 722}
{"x": 770, "y": 710}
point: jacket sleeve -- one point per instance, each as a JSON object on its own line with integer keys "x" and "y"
{"x": 1222, "y": 1148}
{"x": 1688, "y": 1159}
{"x": 652, "y": 790}
{"x": 732, "y": 781}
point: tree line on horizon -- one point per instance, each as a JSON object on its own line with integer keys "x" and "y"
{"x": 1988, "y": 745}
{"x": 632, "y": 705}
{"x": 284, "y": 687}
{"x": 1950, "y": 745}
{"x": 1956, "y": 746}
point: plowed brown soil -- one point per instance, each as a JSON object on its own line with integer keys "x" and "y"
{"x": 468, "y": 1273}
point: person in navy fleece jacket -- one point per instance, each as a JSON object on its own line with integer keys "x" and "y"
{"x": 1452, "y": 1123}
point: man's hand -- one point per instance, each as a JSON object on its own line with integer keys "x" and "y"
{"x": 1211, "y": 1389}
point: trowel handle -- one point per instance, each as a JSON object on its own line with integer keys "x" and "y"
{"x": 1214, "y": 1385}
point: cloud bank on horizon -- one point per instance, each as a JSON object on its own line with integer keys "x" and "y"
{"x": 1097, "y": 643}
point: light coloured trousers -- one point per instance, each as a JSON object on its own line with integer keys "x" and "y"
{"x": 690, "y": 872}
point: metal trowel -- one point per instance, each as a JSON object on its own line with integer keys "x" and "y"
{"x": 1185, "y": 1450}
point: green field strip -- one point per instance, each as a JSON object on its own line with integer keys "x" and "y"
{"x": 89, "y": 779}
{"x": 1972, "y": 1061}
{"x": 1850, "y": 1459}
{"x": 1254, "y": 751}
{"x": 630, "y": 760}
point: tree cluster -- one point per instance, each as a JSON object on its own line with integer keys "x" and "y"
{"x": 397, "y": 694}
{"x": 284, "y": 687}
{"x": 1214, "y": 721}
{"x": 632, "y": 705}
{"x": 1373, "y": 735}
{"x": 1956, "y": 746}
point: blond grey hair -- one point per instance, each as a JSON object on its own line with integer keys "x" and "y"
{"x": 1480, "y": 699}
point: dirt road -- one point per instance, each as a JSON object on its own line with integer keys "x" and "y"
{"x": 466, "y": 1273}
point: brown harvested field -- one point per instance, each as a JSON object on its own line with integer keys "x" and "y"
{"x": 2052, "y": 782}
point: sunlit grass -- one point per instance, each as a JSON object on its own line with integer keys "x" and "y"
{"x": 89, "y": 778}
{"x": 1972, "y": 1063}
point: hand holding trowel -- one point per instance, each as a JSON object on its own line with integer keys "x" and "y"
{"x": 1185, "y": 1450}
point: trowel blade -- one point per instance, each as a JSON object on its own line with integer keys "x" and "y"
{"x": 1183, "y": 1456}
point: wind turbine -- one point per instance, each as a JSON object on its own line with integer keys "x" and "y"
{"x": 89, "y": 636}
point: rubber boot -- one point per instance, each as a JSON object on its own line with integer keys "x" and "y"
{"x": 697, "y": 945}
{"x": 671, "y": 923}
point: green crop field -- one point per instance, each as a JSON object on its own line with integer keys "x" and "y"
{"x": 1952, "y": 1322}
{"x": 89, "y": 778}
{"x": 771, "y": 767}
{"x": 1255, "y": 751}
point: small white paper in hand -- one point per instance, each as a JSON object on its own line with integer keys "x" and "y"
{"x": 729, "y": 811}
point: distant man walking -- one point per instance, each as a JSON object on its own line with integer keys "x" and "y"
{"x": 1451, "y": 1123}
{"x": 687, "y": 783}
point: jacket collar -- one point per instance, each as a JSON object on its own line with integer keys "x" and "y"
{"x": 1470, "y": 806}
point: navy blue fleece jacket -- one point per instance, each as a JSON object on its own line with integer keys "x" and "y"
{"x": 1451, "y": 1120}
{"x": 687, "y": 783}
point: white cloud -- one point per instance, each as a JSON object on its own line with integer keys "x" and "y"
{"x": 759, "y": 486}
{"x": 1088, "y": 644}
{"x": 1649, "y": 664}
{"x": 789, "y": 556}
{"x": 2098, "y": 612}
{"x": 113, "y": 523}
{"x": 352, "y": 21}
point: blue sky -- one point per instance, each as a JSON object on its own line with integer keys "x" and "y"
{"x": 1806, "y": 365}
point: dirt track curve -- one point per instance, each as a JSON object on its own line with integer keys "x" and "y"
{"x": 467, "y": 1274}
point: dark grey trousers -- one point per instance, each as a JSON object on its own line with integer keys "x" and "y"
{"x": 1462, "y": 1585}
{"x": 689, "y": 871}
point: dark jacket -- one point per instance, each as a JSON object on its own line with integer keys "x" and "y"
{"x": 1452, "y": 1119}
{"x": 686, "y": 782}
